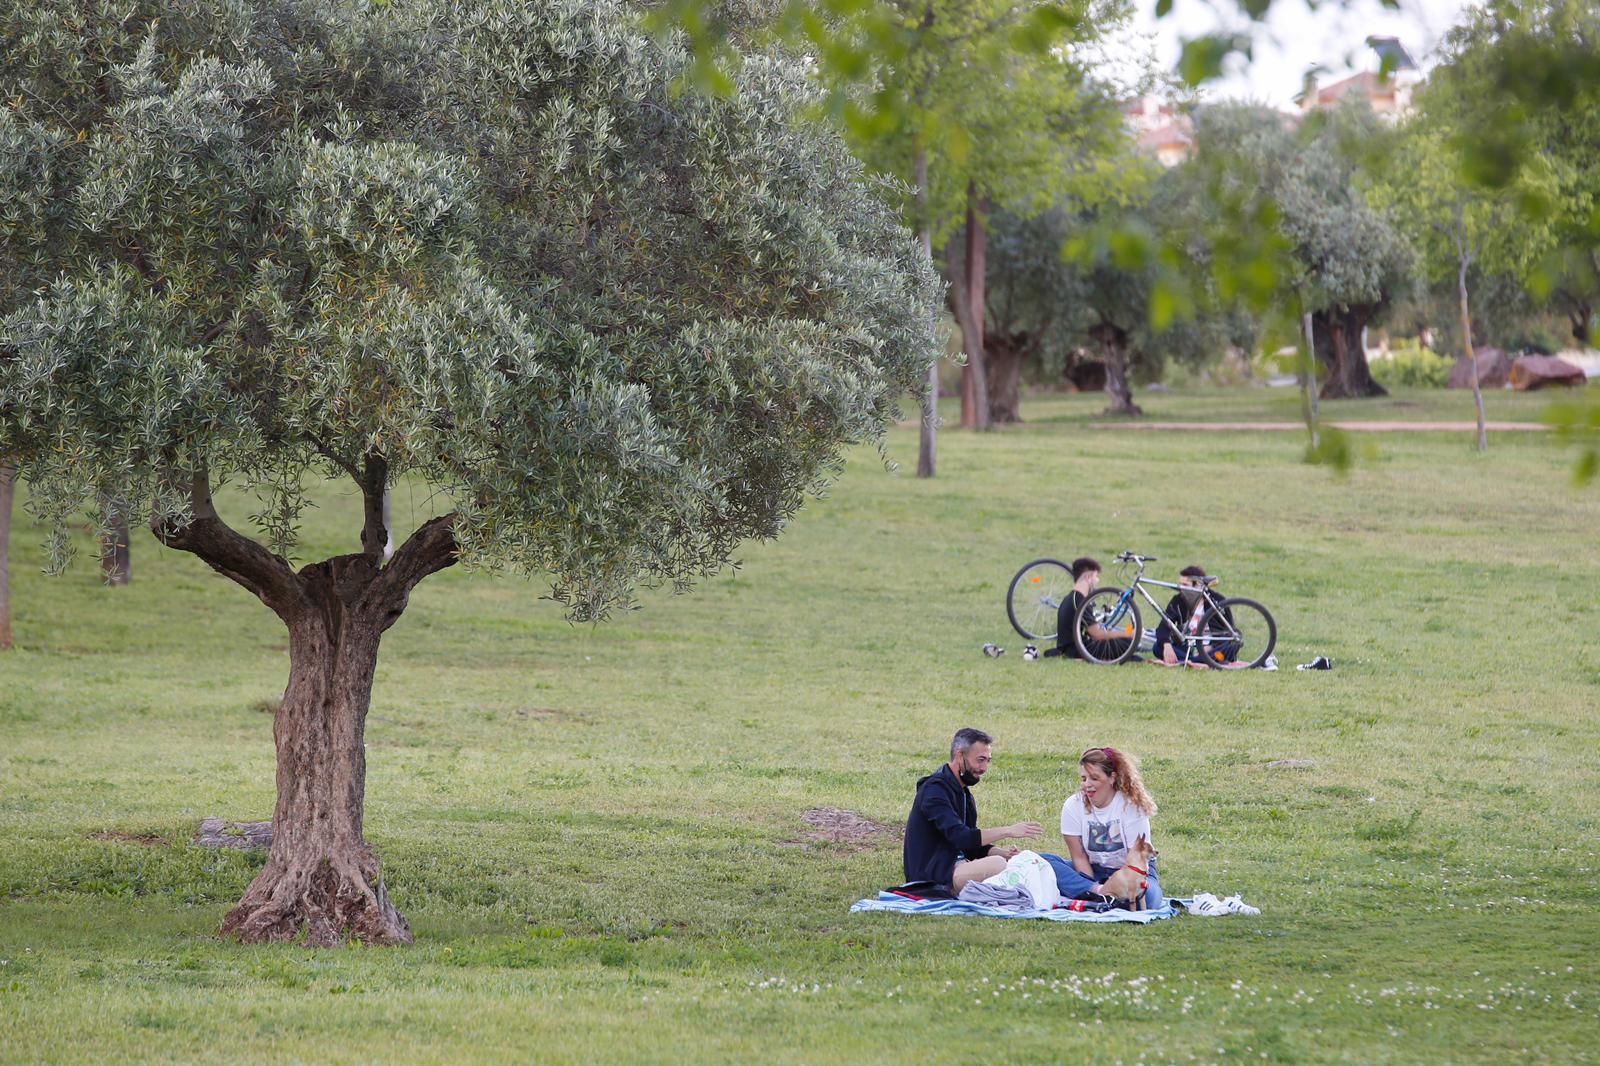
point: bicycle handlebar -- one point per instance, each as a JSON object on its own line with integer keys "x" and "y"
{"x": 1135, "y": 557}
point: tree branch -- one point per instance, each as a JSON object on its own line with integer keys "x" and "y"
{"x": 229, "y": 552}
{"x": 427, "y": 551}
{"x": 374, "y": 477}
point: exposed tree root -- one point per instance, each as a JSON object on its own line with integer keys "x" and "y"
{"x": 331, "y": 898}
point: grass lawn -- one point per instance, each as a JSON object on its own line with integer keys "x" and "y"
{"x": 597, "y": 833}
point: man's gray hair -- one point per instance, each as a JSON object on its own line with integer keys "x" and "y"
{"x": 965, "y": 738}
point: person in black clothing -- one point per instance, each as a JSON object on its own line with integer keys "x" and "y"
{"x": 1103, "y": 643}
{"x": 944, "y": 845}
{"x": 1179, "y": 613}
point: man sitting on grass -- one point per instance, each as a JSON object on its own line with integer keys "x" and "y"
{"x": 1103, "y": 643}
{"x": 944, "y": 845}
{"x": 1179, "y": 616}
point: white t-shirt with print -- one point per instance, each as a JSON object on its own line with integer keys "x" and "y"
{"x": 1105, "y": 831}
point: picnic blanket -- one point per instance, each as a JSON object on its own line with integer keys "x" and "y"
{"x": 888, "y": 901}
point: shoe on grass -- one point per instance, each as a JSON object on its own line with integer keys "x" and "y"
{"x": 1207, "y": 906}
{"x": 1271, "y": 663}
{"x": 1321, "y": 662}
{"x": 993, "y": 651}
{"x": 1236, "y": 905}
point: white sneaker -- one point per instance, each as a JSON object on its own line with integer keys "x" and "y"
{"x": 1207, "y": 906}
{"x": 1235, "y": 905}
{"x": 1271, "y": 663}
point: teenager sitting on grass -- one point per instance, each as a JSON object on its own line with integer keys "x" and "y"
{"x": 1103, "y": 643}
{"x": 1170, "y": 649}
{"x": 1100, "y": 821}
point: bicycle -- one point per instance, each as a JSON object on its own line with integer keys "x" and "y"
{"x": 1231, "y": 629}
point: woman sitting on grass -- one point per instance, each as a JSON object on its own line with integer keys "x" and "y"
{"x": 1100, "y": 821}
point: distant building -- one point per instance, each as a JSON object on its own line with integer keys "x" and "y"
{"x": 1386, "y": 90}
{"x": 1160, "y": 129}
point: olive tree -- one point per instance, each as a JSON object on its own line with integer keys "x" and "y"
{"x": 488, "y": 247}
{"x": 1343, "y": 258}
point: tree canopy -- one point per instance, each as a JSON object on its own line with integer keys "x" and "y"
{"x": 618, "y": 329}
{"x": 294, "y": 237}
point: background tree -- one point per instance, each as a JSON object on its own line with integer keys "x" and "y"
{"x": 976, "y": 106}
{"x": 1345, "y": 260}
{"x": 1034, "y": 305}
{"x": 615, "y": 329}
{"x": 1520, "y": 76}
{"x": 1455, "y": 225}
{"x": 1140, "y": 267}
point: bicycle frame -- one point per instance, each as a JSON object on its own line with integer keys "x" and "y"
{"x": 1194, "y": 644}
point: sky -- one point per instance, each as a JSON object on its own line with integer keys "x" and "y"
{"x": 1293, "y": 38}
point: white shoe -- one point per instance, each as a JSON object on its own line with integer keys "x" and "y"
{"x": 1235, "y": 905}
{"x": 1207, "y": 906}
{"x": 1271, "y": 663}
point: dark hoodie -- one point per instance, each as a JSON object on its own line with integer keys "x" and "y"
{"x": 943, "y": 827}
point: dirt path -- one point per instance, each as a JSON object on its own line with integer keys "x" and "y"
{"x": 1352, "y": 427}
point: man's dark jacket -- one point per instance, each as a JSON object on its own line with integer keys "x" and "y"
{"x": 943, "y": 825}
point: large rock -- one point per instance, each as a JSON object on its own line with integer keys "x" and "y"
{"x": 1540, "y": 371}
{"x": 1494, "y": 370}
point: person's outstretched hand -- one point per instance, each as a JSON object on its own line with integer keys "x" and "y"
{"x": 1026, "y": 830}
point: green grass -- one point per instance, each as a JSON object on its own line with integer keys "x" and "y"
{"x": 1261, "y": 404}
{"x": 592, "y": 829}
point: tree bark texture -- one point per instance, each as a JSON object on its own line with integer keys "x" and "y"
{"x": 928, "y": 438}
{"x": 967, "y": 292}
{"x": 8, "y": 487}
{"x": 321, "y": 877}
{"x": 1113, "y": 343}
{"x": 116, "y": 557}
{"x": 1338, "y": 347}
{"x": 1472, "y": 357}
{"x": 1003, "y": 357}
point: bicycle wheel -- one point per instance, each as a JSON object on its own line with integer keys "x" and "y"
{"x": 1105, "y": 607}
{"x": 1239, "y": 630}
{"x": 1035, "y": 596}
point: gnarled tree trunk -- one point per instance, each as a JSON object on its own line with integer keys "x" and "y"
{"x": 321, "y": 876}
{"x": 1003, "y": 355}
{"x": 8, "y": 487}
{"x": 1113, "y": 343}
{"x": 1338, "y": 347}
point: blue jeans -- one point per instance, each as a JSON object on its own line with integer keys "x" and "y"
{"x": 1073, "y": 884}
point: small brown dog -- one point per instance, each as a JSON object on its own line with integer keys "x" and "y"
{"x": 1128, "y": 884}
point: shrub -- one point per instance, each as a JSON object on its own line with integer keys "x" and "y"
{"x": 1413, "y": 366}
